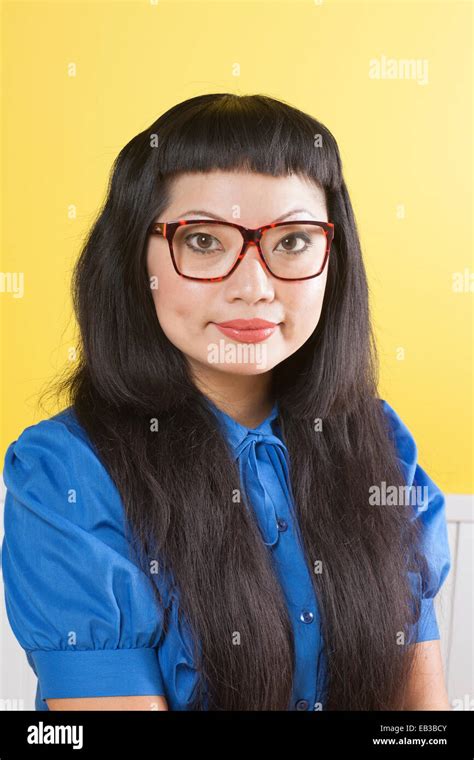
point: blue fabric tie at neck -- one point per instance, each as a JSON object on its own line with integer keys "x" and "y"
{"x": 259, "y": 453}
{"x": 255, "y": 454}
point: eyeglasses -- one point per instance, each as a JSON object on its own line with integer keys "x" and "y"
{"x": 210, "y": 250}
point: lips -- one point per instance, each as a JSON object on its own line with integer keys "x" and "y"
{"x": 247, "y": 330}
{"x": 247, "y": 324}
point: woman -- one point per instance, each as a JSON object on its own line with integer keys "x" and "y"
{"x": 206, "y": 526}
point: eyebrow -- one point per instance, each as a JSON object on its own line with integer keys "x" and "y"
{"x": 210, "y": 214}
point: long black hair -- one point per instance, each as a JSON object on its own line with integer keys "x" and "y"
{"x": 177, "y": 485}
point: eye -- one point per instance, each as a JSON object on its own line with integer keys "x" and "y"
{"x": 203, "y": 242}
{"x": 289, "y": 240}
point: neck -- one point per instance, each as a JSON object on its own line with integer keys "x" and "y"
{"x": 248, "y": 399}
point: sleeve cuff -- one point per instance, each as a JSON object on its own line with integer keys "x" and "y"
{"x": 98, "y": 673}
{"x": 428, "y": 628}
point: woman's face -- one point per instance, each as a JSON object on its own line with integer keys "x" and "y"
{"x": 188, "y": 310}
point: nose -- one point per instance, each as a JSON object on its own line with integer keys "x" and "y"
{"x": 251, "y": 280}
{"x": 250, "y": 255}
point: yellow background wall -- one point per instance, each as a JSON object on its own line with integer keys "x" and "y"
{"x": 406, "y": 149}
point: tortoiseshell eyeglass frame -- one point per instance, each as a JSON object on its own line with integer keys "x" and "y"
{"x": 250, "y": 236}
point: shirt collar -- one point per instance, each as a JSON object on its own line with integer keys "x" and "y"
{"x": 237, "y": 433}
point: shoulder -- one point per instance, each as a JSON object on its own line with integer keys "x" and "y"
{"x": 430, "y": 502}
{"x": 59, "y": 433}
{"x": 52, "y": 465}
{"x": 403, "y": 439}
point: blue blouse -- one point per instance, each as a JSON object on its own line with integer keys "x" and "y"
{"x": 85, "y": 613}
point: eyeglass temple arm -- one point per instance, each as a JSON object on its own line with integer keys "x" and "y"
{"x": 158, "y": 228}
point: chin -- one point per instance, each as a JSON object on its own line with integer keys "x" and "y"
{"x": 243, "y": 369}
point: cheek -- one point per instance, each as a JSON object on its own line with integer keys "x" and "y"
{"x": 303, "y": 306}
{"x": 180, "y": 304}
{"x": 166, "y": 289}
{"x": 180, "y": 310}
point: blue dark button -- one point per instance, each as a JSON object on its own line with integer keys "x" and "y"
{"x": 302, "y": 704}
{"x": 282, "y": 524}
{"x": 306, "y": 616}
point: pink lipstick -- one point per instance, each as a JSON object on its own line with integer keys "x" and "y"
{"x": 247, "y": 330}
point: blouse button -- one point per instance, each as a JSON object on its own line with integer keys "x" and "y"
{"x": 302, "y": 704}
{"x": 306, "y": 616}
{"x": 282, "y": 524}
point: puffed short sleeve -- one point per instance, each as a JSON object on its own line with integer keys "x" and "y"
{"x": 82, "y": 610}
{"x": 430, "y": 510}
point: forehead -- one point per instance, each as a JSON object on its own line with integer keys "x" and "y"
{"x": 221, "y": 191}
